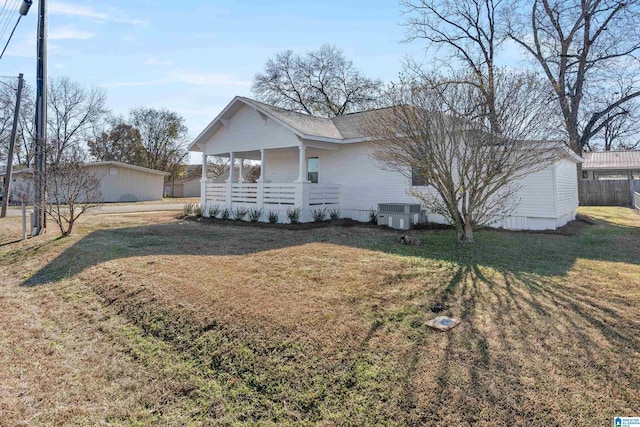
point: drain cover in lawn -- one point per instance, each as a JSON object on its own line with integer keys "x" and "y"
{"x": 443, "y": 323}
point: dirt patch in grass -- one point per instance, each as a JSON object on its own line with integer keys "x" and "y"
{"x": 181, "y": 322}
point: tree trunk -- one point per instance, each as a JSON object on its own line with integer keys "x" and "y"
{"x": 466, "y": 234}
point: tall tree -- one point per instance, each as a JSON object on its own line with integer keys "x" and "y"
{"x": 122, "y": 143}
{"x": 322, "y": 82}
{"x": 73, "y": 111}
{"x": 163, "y": 136}
{"x": 582, "y": 46}
{"x": 467, "y": 31}
{"x": 472, "y": 173}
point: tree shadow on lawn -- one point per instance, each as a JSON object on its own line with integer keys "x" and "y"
{"x": 540, "y": 343}
{"x": 535, "y": 346}
{"x": 516, "y": 252}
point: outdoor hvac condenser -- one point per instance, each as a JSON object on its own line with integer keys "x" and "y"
{"x": 400, "y": 215}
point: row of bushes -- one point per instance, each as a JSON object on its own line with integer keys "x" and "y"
{"x": 254, "y": 214}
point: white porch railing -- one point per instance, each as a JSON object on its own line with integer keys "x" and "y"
{"x": 216, "y": 193}
{"x": 279, "y": 194}
{"x": 298, "y": 194}
{"x": 324, "y": 194}
{"x": 244, "y": 192}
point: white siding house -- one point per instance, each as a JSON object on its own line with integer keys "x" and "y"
{"x": 313, "y": 162}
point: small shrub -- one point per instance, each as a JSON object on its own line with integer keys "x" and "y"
{"x": 373, "y": 216}
{"x": 273, "y": 217}
{"x": 187, "y": 209}
{"x": 319, "y": 214}
{"x": 255, "y": 214}
{"x": 214, "y": 211}
{"x": 198, "y": 210}
{"x": 294, "y": 215}
{"x": 240, "y": 213}
{"x": 334, "y": 214}
{"x": 225, "y": 213}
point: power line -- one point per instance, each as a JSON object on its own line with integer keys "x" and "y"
{"x": 10, "y": 36}
{"x": 6, "y": 20}
{"x": 24, "y": 9}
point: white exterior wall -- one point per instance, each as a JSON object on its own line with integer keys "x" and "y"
{"x": 128, "y": 185}
{"x": 364, "y": 184}
{"x": 566, "y": 191}
{"x": 247, "y": 131}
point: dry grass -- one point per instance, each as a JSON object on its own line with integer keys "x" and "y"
{"x": 152, "y": 320}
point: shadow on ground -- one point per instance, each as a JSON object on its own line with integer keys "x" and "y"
{"x": 540, "y": 343}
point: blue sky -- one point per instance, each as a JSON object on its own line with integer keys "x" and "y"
{"x": 193, "y": 57}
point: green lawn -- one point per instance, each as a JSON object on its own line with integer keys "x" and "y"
{"x": 150, "y": 319}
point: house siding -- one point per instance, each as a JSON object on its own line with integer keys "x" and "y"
{"x": 245, "y": 129}
{"x": 128, "y": 185}
{"x": 566, "y": 190}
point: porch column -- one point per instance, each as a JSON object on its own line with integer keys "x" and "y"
{"x": 232, "y": 161}
{"x": 302, "y": 187}
{"x": 203, "y": 181}
{"x": 263, "y": 165}
{"x": 240, "y": 170}
{"x": 302, "y": 165}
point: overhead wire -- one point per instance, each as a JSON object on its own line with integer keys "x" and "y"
{"x": 4, "y": 8}
{"x": 6, "y": 21}
{"x": 10, "y": 36}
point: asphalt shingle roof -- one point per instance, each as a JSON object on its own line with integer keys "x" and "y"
{"x": 348, "y": 126}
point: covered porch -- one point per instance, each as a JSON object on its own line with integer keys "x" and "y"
{"x": 304, "y": 192}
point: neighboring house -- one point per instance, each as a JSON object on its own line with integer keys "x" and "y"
{"x": 190, "y": 185}
{"x": 119, "y": 182}
{"x": 313, "y": 163}
{"x": 611, "y": 165}
{"x": 183, "y": 187}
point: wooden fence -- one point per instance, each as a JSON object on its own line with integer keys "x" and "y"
{"x": 607, "y": 192}
{"x": 636, "y": 200}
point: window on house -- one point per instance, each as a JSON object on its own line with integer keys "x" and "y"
{"x": 585, "y": 174}
{"x": 418, "y": 179}
{"x": 313, "y": 167}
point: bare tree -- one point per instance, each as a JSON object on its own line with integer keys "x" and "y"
{"x": 73, "y": 190}
{"x": 7, "y": 105}
{"x": 322, "y": 82}
{"x": 73, "y": 111}
{"x": 217, "y": 166}
{"x": 582, "y": 46}
{"x": 164, "y": 138}
{"x": 467, "y": 30}
{"x": 472, "y": 173}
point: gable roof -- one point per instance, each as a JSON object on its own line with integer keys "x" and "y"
{"x": 340, "y": 129}
{"x": 611, "y": 160}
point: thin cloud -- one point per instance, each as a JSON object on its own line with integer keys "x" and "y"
{"x": 185, "y": 77}
{"x": 207, "y": 79}
{"x": 158, "y": 62}
{"x": 66, "y": 33}
{"x": 72, "y": 9}
{"x": 75, "y": 10}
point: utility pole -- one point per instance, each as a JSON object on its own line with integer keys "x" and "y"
{"x": 40, "y": 225}
{"x": 12, "y": 143}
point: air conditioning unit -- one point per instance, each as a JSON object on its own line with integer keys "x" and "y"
{"x": 400, "y": 215}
